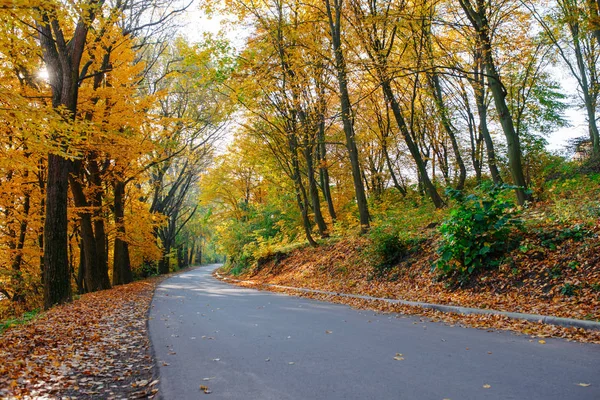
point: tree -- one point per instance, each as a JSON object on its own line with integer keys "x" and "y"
{"x": 334, "y": 10}
{"x": 477, "y": 14}
{"x": 569, "y": 26}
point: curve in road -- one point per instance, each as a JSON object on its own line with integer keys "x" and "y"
{"x": 246, "y": 344}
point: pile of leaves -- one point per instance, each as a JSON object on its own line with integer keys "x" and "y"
{"x": 555, "y": 271}
{"x": 95, "y": 347}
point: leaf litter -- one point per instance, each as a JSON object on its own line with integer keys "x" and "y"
{"x": 94, "y": 347}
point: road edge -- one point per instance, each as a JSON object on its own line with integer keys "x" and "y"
{"x": 544, "y": 319}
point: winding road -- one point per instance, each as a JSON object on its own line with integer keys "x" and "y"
{"x": 247, "y": 344}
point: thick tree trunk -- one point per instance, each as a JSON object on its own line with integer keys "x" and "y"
{"x": 97, "y": 217}
{"x": 163, "y": 264}
{"x": 121, "y": 262}
{"x": 57, "y": 280}
{"x": 512, "y": 139}
{"x": 63, "y": 59}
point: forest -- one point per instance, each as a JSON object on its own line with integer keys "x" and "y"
{"x": 400, "y": 144}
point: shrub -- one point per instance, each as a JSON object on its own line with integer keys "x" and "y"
{"x": 568, "y": 289}
{"x": 388, "y": 248}
{"x": 476, "y": 232}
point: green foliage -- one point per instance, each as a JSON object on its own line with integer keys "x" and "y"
{"x": 388, "y": 248}
{"x": 556, "y": 272}
{"x": 551, "y": 239}
{"x": 28, "y": 316}
{"x": 568, "y": 289}
{"x": 476, "y": 232}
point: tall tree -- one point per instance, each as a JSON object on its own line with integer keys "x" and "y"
{"x": 476, "y": 12}
{"x": 334, "y": 11}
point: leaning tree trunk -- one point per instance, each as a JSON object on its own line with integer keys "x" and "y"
{"x": 412, "y": 146}
{"x": 347, "y": 117}
{"x": 478, "y": 19}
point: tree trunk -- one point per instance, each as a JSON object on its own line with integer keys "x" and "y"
{"x": 301, "y": 197}
{"x": 121, "y": 262}
{"x": 485, "y": 133}
{"x": 16, "y": 275}
{"x": 63, "y": 59}
{"x": 57, "y": 280}
{"x": 588, "y": 99}
{"x": 80, "y": 280}
{"x": 312, "y": 188}
{"x": 447, "y": 124}
{"x": 97, "y": 217}
{"x": 480, "y": 23}
{"x": 96, "y": 276}
{"x": 388, "y": 162}
{"x": 414, "y": 150}
{"x": 347, "y": 116}
{"x": 321, "y": 151}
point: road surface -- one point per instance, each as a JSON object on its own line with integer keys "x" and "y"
{"x": 248, "y": 344}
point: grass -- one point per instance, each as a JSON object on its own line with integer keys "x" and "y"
{"x": 26, "y": 317}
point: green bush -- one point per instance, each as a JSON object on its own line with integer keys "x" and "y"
{"x": 477, "y": 231}
{"x": 388, "y": 248}
{"x": 568, "y": 289}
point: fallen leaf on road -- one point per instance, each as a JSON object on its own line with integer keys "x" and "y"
{"x": 486, "y": 386}
{"x": 541, "y": 341}
{"x": 328, "y": 332}
{"x": 205, "y": 389}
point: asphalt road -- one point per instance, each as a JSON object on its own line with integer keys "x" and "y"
{"x": 248, "y": 344}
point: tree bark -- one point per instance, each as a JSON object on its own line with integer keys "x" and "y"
{"x": 96, "y": 276}
{"x": 121, "y": 262}
{"x": 347, "y": 117}
{"x": 57, "y": 280}
{"x": 63, "y": 59}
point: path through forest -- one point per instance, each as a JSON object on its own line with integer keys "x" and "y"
{"x": 239, "y": 343}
